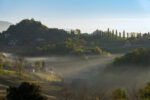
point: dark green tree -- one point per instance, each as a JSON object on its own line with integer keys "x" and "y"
{"x": 124, "y": 34}
{"x": 113, "y": 33}
{"x": 116, "y": 33}
{"x": 119, "y": 34}
{"x": 25, "y": 91}
{"x": 127, "y": 35}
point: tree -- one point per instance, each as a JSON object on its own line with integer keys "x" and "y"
{"x": 25, "y": 91}
{"x": 19, "y": 65}
{"x": 108, "y": 32}
{"x": 78, "y": 33}
{"x": 116, "y": 33}
{"x": 127, "y": 35}
{"x": 119, "y": 34}
{"x": 38, "y": 65}
{"x": 124, "y": 34}
{"x": 144, "y": 94}
{"x": 119, "y": 94}
{"x": 97, "y": 50}
{"x": 113, "y": 33}
{"x": 72, "y": 32}
{"x": 43, "y": 66}
{"x": 1, "y": 66}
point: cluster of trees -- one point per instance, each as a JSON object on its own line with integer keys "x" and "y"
{"x": 110, "y": 34}
{"x": 115, "y": 35}
{"x": 70, "y": 46}
{"x": 67, "y": 93}
{"x": 138, "y": 57}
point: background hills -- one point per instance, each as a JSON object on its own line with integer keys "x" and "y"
{"x": 32, "y": 37}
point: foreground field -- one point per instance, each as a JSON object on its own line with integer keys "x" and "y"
{"x": 49, "y": 83}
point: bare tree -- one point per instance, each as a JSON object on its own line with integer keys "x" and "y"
{"x": 19, "y": 66}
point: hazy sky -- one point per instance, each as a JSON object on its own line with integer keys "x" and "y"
{"x": 87, "y": 15}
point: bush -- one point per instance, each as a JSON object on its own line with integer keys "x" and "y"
{"x": 119, "y": 94}
{"x": 144, "y": 94}
{"x": 135, "y": 57}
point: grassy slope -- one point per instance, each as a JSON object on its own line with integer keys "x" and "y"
{"x": 10, "y": 78}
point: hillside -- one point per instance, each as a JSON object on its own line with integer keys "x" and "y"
{"x": 131, "y": 70}
{"x": 31, "y": 32}
{"x": 4, "y": 25}
{"x": 137, "y": 57}
{"x": 9, "y": 76}
{"x": 30, "y": 37}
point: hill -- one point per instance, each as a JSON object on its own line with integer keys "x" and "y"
{"x": 130, "y": 70}
{"x": 4, "y": 25}
{"x": 137, "y": 57}
{"x": 31, "y": 32}
{"x": 9, "y": 76}
{"x": 30, "y": 37}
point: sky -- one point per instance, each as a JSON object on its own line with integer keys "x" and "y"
{"x": 87, "y": 15}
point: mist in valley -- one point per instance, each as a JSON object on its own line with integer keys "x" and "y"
{"x": 95, "y": 71}
{"x": 74, "y": 67}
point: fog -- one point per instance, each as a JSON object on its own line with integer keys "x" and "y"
{"x": 75, "y": 67}
{"x": 96, "y": 72}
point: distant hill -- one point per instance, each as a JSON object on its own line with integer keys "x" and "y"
{"x": 32, "y": 37}
{"x": 4, "y": 25}
{"x": 31, "y": 32}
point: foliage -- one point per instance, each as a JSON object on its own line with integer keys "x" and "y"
{"x": 119, "y": 94}
{"x": 70, "y": 46}
{"x": 39, "y": 65}
{"x": 97, "y": 50}
{"x": 144, "y": 94}
{"x": 135, "y": 57}
{"x": 25, "y": 91}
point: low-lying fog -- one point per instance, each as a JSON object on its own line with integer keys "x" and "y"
{"x": 75, "y": 67}
{"x": 88, "y": 71}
